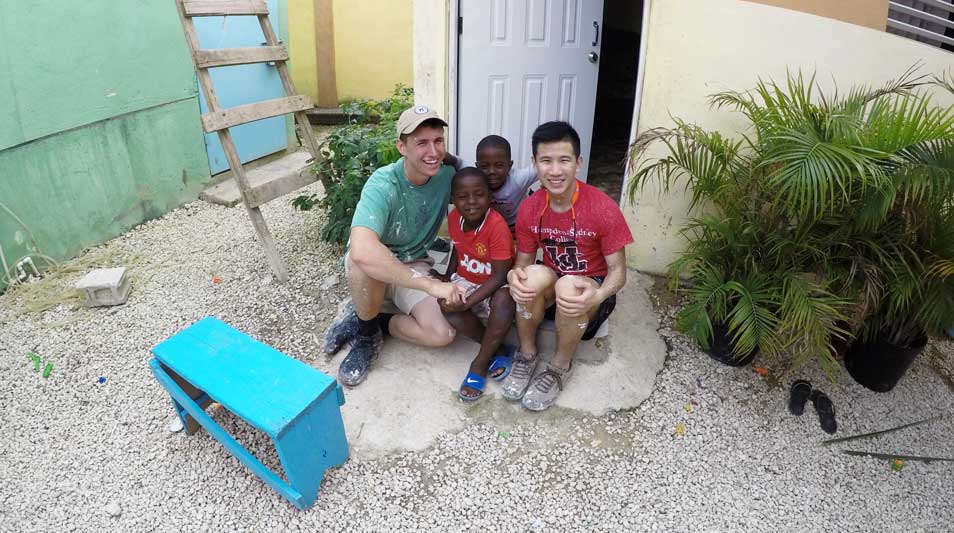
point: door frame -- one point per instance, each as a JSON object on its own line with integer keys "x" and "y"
{"x": 453, "y": 91}
{"x": 453, "y": 73}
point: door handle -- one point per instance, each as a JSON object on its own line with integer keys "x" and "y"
{"x": 596, "y": 38}
{"x": 593, "y": 57}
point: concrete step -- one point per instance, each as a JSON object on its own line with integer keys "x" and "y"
{"x": 269, "y": 181}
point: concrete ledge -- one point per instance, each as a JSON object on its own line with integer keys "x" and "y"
{"x": 269, "y": 181}
{"x": 410, "y": 396}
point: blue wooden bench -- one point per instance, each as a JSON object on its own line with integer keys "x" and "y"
{"x": 294, "y": 404}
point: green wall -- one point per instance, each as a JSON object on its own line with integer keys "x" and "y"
{"x": 99, "y": 121}
{"x": 68, "y": 64}
{"x": 78, "y": 188}
{"x": 99, "y": 126}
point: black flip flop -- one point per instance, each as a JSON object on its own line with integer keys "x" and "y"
{"x": 800, "y": 391}
{"x": 825, "y": 410}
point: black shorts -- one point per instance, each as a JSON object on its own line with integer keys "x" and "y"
{"x": 604, "y": 311}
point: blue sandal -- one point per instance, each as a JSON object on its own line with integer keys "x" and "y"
{"x": 475, "y": 382}
{"x": 504, "y": 360}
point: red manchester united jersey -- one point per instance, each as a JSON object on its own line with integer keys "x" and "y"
{"x": 491, "y": 241}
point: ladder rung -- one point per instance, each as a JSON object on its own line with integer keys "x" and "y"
{"x": 227, "y": 118}
{"x": 239, "y": 56}
{"x": 214, "y": 8}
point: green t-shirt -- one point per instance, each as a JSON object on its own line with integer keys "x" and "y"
{"x": 406, "y": 217}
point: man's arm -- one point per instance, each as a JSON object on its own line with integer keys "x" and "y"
{"x": 590, "y": 297}
{"x": 374, "y": 258}
{"x": 615, "y": 275}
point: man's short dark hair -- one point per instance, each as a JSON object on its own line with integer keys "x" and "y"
{"x": 554, "y": 132}
{"x": 494, "y": 141}
{"x": 429, "y": 123}
{"x": 467, "y": 172}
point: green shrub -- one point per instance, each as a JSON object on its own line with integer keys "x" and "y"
{"x": 831, "y": 218}
{"x": 351, "y": 153}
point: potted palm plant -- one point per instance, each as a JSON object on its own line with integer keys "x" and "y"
{"x": 811, "y": 217}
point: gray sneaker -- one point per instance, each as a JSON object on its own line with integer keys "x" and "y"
{"x": 516, "y": 383}
{"x": 546, "y": 387}
{"x": 341, "y": 330}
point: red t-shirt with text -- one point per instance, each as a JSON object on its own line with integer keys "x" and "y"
{"x": 600, "y": 231}
{"x": 476, "y": 249}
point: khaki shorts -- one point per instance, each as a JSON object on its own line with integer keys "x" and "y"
{"x": 481, "y": 308}
{"x": 402, "y": 299}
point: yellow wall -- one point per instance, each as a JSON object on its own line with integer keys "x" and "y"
{"x": 301, "y": 47}
{"x": 697, "y": 48}
{"x": 373, "y": 49}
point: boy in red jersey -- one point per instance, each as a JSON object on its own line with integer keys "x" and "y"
{"x": 482, "y": 253}
{"x": 583, "y": 236}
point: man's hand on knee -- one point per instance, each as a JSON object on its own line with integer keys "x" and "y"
{"x": 521, "y": 292}
{"x": 575, "y": 296}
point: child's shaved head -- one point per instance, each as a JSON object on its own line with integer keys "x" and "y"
{"x": 493, "y": 141}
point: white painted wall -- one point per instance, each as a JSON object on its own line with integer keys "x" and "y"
{"x": 431, "y": 54}
{"x": 697, "y": 48}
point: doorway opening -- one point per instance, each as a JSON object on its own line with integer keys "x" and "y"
{"x": 615, "y": 94}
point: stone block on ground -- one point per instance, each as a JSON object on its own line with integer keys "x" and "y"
{"x": 105, "y": 286}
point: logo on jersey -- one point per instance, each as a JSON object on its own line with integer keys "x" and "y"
{"x": 475, "y": 266}
{"x": 569, "y": 262}
{"x": 481, "y": 249}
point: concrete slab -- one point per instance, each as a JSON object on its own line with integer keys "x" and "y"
{"x": 410, "y": 396}
{"x": 270, "y": 180}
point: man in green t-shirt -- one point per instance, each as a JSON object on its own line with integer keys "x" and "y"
{"x": 401, "y": 208}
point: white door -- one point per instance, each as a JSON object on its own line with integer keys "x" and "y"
{"x": 525, "y": 62}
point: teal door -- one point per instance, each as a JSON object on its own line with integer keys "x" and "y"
{"x": 242, "y": 84}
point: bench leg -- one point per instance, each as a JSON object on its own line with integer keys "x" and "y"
{"x": 192, "y": 408}
{"x": 199, "y": 397}
{"x": 311, "y": 444}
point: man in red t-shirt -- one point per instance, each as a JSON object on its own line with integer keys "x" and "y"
{"x": 583, "y": 236}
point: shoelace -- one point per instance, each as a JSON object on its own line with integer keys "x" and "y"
{"x": 521, "y": 368}
{"x": 547, "y": 379}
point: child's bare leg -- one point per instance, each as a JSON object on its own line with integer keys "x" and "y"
{"x": 501, "y": 318}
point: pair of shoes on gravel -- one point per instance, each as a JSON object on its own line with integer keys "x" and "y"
{"x": 536, "y": 393}
{"x": 364, "y": 349}
{"x": 802, "y": 391}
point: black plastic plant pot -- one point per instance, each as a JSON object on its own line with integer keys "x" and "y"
{"x": 878, "y": 365}
{"x": 721, "y": 347}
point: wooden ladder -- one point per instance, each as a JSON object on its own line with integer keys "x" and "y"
{"x": 220, "y": 120}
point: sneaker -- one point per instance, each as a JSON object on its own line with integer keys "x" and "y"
{"x": 545, "y": 388}
{"x": 516, "y": 383}
{"x": 364, "y": 350}
{"x": 344, "y": 327}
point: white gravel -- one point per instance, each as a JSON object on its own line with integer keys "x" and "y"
{"x": 77, "y": 455}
